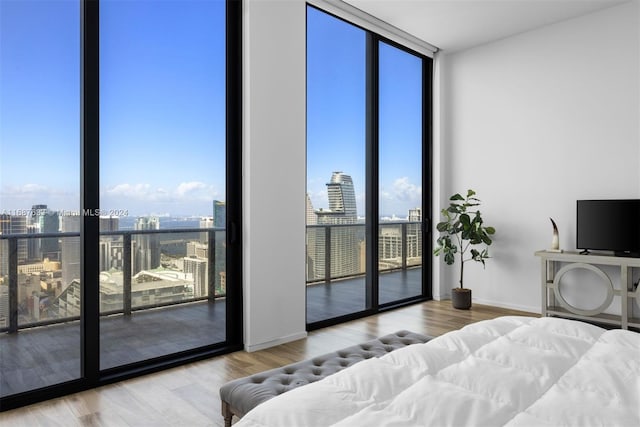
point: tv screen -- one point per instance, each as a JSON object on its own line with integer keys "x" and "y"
{"x": 609, "y": 225}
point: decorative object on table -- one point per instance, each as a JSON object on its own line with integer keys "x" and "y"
{"x": 462, "y": 228}
{"x": 555, "y": 240}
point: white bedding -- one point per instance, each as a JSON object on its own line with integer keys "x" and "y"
{"x": 508, "y": 371}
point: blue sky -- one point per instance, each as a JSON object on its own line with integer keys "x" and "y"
{"x": 162, "y": 108}
{"x": 336, "y": 115}
{"x": 39, "y": 104}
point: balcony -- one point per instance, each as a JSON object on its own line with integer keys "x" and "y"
{"x": 336, "y": 267}
{"x": 157, "y": 296}
{"x": 161, "y": 292}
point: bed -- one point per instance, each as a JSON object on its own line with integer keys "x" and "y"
{"x": 517, "y": 371}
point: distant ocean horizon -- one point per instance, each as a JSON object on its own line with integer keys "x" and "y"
{"x": 166, "y": 223}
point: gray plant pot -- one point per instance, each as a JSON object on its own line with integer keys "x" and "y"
{"x": 461, "y": 298}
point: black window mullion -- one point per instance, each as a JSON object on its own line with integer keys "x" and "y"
{"x": 427, "y": 177}
{"x": 89, "y": 191}
{"x": 234, "y": 323}
{"x": 371, "y": 196}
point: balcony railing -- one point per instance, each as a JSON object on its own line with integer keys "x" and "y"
{"x": 132, "y": 257}
{"x": 333, "y": 252}
{"x": 337, "y": 251}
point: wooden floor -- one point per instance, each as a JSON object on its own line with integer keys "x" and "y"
{"x": 188, "y": 395}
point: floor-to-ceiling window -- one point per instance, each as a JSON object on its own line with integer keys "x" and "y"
{"x": 39, "y": 194}
{"x": 120, "y": 175}
{"x": 368, "y": 171}
{"x": 336, "y": 171}
{"x": 162, "y": 177}
{"x": 400, "y": 173}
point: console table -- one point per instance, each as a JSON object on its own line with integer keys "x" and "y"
{"x": 555, "y": 264}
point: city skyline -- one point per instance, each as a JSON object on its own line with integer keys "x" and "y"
{"x": 162, "y": 145}
{"x": 336, "y": 107}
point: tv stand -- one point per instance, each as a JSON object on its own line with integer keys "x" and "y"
{"x": 585, "y": 252}
{"x": 627, "y": 254}
{"x": 555, "y": 265}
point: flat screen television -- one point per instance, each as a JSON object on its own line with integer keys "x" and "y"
{"x": 609, "y": 225}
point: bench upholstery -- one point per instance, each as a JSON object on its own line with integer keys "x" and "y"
{"x": 241, "y": 395}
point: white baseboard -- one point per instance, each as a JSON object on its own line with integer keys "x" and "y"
{"x": 273, "y": 343}
{"x": 530, "y": 309}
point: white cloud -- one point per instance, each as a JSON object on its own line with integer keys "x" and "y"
{"x": 194, "y": 190}
{"x": 130, "y": 191}
{"x": 30, "y": 191}
{"x": 403, "y": 190}
{"x": 400, "y": 196}
{"x": 24, "y": 196}
{"x": 186, "y": 188}
{"x": 23, "y": 189}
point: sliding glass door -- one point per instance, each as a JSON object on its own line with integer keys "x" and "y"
{"x": 400, "y": 174}
{"x": 120, "y": 174}
{"x": 40, "y": 335}
{"x": 336, "y": 118}
{"x": 367, "y": 165}
{"x": 162, "y": 178}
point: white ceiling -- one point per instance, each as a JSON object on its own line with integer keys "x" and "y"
{"x": 454, "y": 25}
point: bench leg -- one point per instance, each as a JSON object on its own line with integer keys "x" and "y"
{"x": 227, "y": 414}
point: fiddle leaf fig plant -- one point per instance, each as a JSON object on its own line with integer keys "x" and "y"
{"x": 461, "y": 229}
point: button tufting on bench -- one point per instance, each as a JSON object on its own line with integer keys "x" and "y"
{"x": 241, "y": 395}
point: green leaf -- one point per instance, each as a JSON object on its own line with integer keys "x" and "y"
{"x": 470, "y": 193}
{"x": 490, "y": 230}
{"x": 465, "y": 220}
{"x": 442, "y": 226}
{"x": 456, "y": 196}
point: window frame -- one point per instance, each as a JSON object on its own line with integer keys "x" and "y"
{"x": 91, "y": 375}
{"x": 372, "y": 306}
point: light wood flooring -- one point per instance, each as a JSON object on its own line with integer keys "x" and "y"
{"x": 188, "y": 395}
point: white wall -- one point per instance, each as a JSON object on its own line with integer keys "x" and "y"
{"x": 274, "y": 172}
{"x": 533, "y": 123}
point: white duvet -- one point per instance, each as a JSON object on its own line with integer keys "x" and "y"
{"x": 512, "y": 371}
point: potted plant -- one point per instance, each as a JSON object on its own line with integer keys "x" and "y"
{"x": 461, "y": 230}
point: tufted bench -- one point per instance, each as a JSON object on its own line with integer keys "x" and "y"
{"x": 241, "y": 395}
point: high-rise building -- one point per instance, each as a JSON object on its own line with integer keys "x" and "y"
{"x": 111, "y": 246}
{"x": 205, "y": 222}
{"x": 109, "y": 223}
{"x": 34, "y": 251}
{"x": 342, "y": 195}
{"x": 13, "y": 224}
{"x": 70, "y": 249}
{"x": 146, "y": 247}
{"x": 38, "y": 212}
{"x": 414, "y": 236}
{"x": 344, "y": 240}
{"x": 198, "y": 268}
{"x": 415, "y": 215}
{"x": 312, "y": 235}
{"x": 41, "y": 220}
{"x": 50, "y": 247}
{"x": 390, "y": 243}
{"x": 312, "y": 218}
{"x": 196, "y": 249}
{"x": 219, "y": 214}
